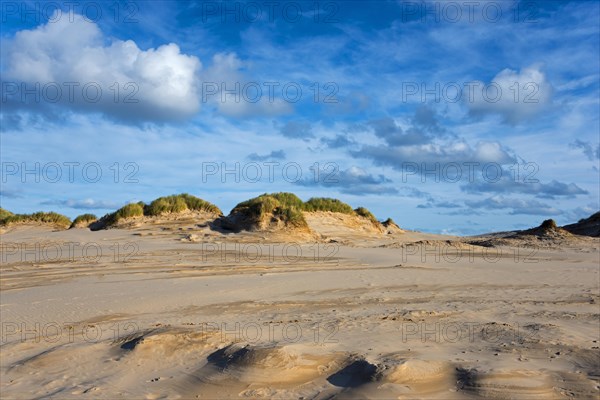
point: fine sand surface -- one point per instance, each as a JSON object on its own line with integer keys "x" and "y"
{"x": 183, "y": 311}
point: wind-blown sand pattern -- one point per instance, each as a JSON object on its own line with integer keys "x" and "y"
{"x": 176, "y": 309}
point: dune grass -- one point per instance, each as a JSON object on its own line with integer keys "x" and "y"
{"x": 130, "y": 210}
{"x": 285, "y": 206}
{"x": 83, "y": 219}
{"x": 289, "y": 208}
{"x": 163, "y": 205}
{"x": 4, "y": 214}
{"x": 327, "y": 204}
{"x": 363, "y": 212}
{"x": 179, "y": 203}
{"x": 389, "y": 222}
{"x": 39, "y": 217}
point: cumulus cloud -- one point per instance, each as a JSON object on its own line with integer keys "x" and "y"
{"x": 515, "y": 96}
{"x": 233, "y": 93}
{"x": 69, "y": 64}
{"x": 425, "y": 147}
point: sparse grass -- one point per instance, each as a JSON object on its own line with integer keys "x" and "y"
{"x": 197, "y": 204}
{"x": 39, "y": 217}
{"x": 179, "y": 203}
{"x": 83, "y": 219}
{"x": 130, "y": 210}
{"x": 4, "y": 214}
{"x": 327, "y": 204}
{"x": 389, "y": 222}
{"x": 363, "y": 212}
{"x": 549, "y": 224}
{"x": 165, "y": 205}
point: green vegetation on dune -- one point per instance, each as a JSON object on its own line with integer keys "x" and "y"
{"x": 197, "y": 204}
{"x": 53, "y": 218}
{"x": 287, "y": 207}
{"x": 327, "y": 204}
{"x": 83, "y": 219}
{"x": 288, "y": 199}
{"x": 130, "y": 210}
{"x": 266, "y": 208}
{"x": 363, "y": 212}
{"x": 388, "y": 222}
{"x": 179, "y": 203}
{"x": 163, "y": 205}
{"x": 4, "y": 214}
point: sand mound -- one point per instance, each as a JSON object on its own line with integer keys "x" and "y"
{"x": 586, "y": 227}
{"x": 276, "y": 366}
{"x": 422, "y": 376}
{"x": 267, "y": 212}
{"x": 339, "y": 225}
{"x": 392, "y": 227}
{"x": 164, "y": 222}
{"x": 548, "y": 234}
{"x": 548, "y": 229}
{"x": 163, "y": 343}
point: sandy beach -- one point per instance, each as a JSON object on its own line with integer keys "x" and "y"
{"x": 154, "y": 312}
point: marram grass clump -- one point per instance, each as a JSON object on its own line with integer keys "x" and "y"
{"x": 83, "y": 220}
{"x": 288, "y": 208}
{"x": 327, "y": 204}
{"x": 363, "y": 212}
{"x": 41, "y": 217}
{"x": 179, "y": 203}
{"x": 162, "y": 206}
{"x": 285, "y": 207}
{"x": 131, "y": 210}
{"x": 4, "y": 214}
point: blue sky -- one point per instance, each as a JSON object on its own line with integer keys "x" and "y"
{"x": 452, "y": 117}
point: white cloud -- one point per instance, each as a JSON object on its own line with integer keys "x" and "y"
{"x": 235, "y": 93}
{"x": 162, "y": 80}
{"x": 516, "y": 96}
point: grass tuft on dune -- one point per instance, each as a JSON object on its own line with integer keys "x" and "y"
{"x": 83, "y": 220}
{"x": 327, "y": 204}
{"x": 41, "y": 217}
{"x": 285, "y": 207}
